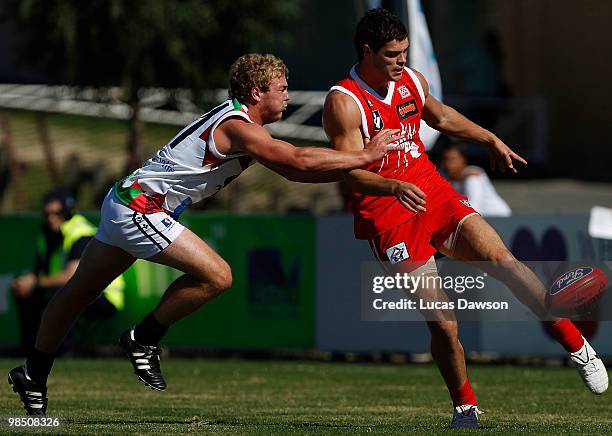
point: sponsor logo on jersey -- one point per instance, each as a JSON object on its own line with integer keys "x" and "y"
{"x": 166, "y": 222}
{"x": 465, "y": 202}
{"x": 407, "y": 109}
{"x": 569, "y": 278}
{"x": 164, "y": 163}
{"x": 404, "y": 92}
{"x": 378, "y": 121}
{"x": 397, "y": 253}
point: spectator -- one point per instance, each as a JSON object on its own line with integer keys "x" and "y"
{"x": 473, "y": 182}
{"x": 60, "y": 245}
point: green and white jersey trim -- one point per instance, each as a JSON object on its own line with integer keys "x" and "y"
{"x": 188, "y": 169}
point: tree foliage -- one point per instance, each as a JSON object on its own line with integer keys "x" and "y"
{"x": 181, "y": 43}
{"x": 145, "y": 43}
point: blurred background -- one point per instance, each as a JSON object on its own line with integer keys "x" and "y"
{"x": 109, "y": 83}
{"x": 89, "y": 90}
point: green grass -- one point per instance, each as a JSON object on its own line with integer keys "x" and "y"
{"x": 309, "y": 398}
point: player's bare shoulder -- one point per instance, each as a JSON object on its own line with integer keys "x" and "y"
{"x": 340, "y": 107}
{"x": 234, "y": 134}
{"x": 340, "y": 114}
{"x": 422, "y": 80}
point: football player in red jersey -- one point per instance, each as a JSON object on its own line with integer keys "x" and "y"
{"x": 407, "y": 211}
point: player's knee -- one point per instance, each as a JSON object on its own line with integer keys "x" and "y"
{"x": 444, "y": 330}
{"x": 222, "y": 278}
{"x": 78, "y": 293}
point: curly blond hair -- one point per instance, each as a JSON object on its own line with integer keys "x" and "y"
{"x": 254, "y": 70}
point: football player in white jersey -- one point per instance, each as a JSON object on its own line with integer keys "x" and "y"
{"x": 138, "y": 218}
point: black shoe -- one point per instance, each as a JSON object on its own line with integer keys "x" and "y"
{"x": 32, "y": 395}
{"x": 145, "y": 360}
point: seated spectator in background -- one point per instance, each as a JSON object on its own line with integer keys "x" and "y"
{"x": 473, "y": 182}
{"x": 60, "y": 245}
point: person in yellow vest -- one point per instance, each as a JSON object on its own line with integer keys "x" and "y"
{"x": 59, "y": 248}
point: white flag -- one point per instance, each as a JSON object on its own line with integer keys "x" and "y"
{"x": 423, "y": 59}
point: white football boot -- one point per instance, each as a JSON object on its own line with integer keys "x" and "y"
{"x": 465, "y": 416}
{"x": 591, "y": 368}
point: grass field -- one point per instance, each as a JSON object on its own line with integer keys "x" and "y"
{"x": 309, "y": 398}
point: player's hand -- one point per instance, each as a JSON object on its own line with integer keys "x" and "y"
{"x": 24, "y": 285}
{"x": 409, "y": 196}
{"x": 501, "y": 156}
{"x": 382, "y": 143}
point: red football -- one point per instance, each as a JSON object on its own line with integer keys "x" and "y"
{"x": 577, "y": 291}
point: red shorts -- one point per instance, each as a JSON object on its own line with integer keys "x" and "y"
{"x": 414, "y": 242}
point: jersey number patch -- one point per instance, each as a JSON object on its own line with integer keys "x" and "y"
{"x": 397, "y": 253}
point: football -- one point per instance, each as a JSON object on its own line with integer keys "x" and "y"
{"x": 576, "y": 292}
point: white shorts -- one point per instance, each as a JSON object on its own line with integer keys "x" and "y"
{"x": 141, "y": 235}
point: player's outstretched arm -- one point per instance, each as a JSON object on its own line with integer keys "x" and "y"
{"x": 290, "y": 161}
{"x": 450, "y": 122}
{"x": 342, "y": 121}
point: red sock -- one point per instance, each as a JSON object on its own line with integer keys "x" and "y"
{"x": 463, "y": 395}
{"x": 566, "y": 333}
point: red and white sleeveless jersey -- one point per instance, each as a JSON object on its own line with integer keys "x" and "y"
{"x": 401, "y": 108}
{"x": 186, "y": 170}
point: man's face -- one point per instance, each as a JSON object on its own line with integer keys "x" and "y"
{"x": 454, "y": 164}
{"x": 274, "y": 101}
{"x": 391, "y": 59}
{"x": 54, "y": 216}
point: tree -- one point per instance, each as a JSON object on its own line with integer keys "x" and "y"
{"x": 181, "y": 43}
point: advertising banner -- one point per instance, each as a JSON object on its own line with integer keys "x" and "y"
{"x": 270, "y": 305}
{"x": 362, "y": 307}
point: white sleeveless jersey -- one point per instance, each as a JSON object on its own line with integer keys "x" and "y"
{"x": 186, "y": 170}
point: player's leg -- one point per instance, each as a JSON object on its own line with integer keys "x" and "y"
{"x": 446, "y": 348}
{"x": 399, "y": 250}
{"x": 448, "y": 353}
{"x": 100, "y": 264}
{"x": 478, "y": 241}
{"x": 206, "y": 276}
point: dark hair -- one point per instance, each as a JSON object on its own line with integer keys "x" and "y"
{"x": 376, "y": 28}
{"x": 459, "y": 146}
{"x": 64, "y": 197}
